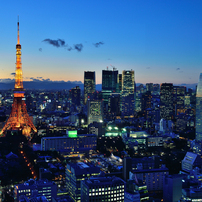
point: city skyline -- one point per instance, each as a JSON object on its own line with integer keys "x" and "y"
{"x": 160, "y": 41}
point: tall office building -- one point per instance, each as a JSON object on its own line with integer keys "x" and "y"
{"x": 120, "y": 83}
{"x": 179, "y": 98}
{"x": 199, "y": 110}
{"x": 89, "y": 84}
{"x": 95, "y": 110}
{"x": 75, "y": 173}
{"x": 166, "y": 101}
{"x": 76, "y": 96}
{"x": 149, "y": 87}
{"x": 156, "y": 89}
{"x": 146, "y": 102}
{"x": 172, "y": 188}
{"x": 109, "y": 85}
{"x": 128, "y": 93}
{"x": 114, "y": 105}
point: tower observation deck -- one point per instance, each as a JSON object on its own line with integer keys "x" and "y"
{"x": 19, "y": 118}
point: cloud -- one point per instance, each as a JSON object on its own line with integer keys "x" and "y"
{"x": 148, "y": 67}
{"x": 39, "y": 77}
{"x": 6, "y": 80}
{"x": 13, "y": 74}
{"x": 69, "y": 49}
{"x": 40, "y": 49}
{"x": 57, "y": 43}
{"x": 98, "y": 44}
{"x": 78, "y": 47}
{"x": 177, "y": 69}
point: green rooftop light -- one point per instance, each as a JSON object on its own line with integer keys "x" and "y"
{"x": 72, "y": 133}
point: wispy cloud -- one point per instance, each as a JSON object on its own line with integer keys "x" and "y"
{"x": 40, "y": 49}
{"x": 98, "y": 44}
{"x": 13, "y": 74}
{"x": 61, "y": 43}
{"x": 78, "y": 47}
{"x": 148, "y": 68}
{"x": 178, "y": 69}
{"x": 57, "y": 43}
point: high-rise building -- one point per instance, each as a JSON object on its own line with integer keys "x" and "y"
{"x": 149, "y": 87}
{"x": 109, "y": 85}
{"x": 179, "y": 98}
{"x": 127, "y": 167}
{"x": 19, "y": 118}
{"x": 128, "y": 82}
{"x": 76, "y": 96}
{"x": 114, "y": 105}
{"x": 120, "y": 83}
{"x": 95, "y": 110}
{"x": 172, "y": 188}
{"x": 199, "y": 110}
{"x": 128, "y": 93}
{"x": 146, "y": 102}
{"x": 156, "y": 89}
{"x": 89, "y": 84}
{"x": 75, "y": 173}
{"x": 166, "y": 101}
{"x": 110, "y": 80}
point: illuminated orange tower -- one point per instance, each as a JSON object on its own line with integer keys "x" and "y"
{"x": 19, "y": 118}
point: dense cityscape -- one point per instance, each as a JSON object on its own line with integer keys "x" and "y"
{"x": 101, "y": 101}
{"x": 126, "y": 142}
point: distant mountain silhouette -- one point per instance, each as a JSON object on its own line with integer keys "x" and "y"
{"x": 60, "y": 85}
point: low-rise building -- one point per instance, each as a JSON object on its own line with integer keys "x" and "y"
{"x": 102, "y": 189}
{"x": 36, "y": 188}
{"x": 73, "y": 143}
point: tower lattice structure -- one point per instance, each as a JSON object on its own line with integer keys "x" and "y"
{"x": 19, "y": 118}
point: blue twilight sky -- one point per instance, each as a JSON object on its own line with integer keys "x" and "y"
{"x": 161, "y": 40}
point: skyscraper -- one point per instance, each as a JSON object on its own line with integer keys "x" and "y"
{"x": 128, "y": 93}
{"x": 149, "y": 87}
{"x": 166, "y": 101}
{"x": 89, "y": 84}
{"x": 109, "y": 85}
{"x": 178, "y": 98}
{"x": 19, "y": 118}
{"x": 95, "y": 110}
{"x": 199, "y": 110}
{"x": 76, "y": 96}
{"x": 120, "y": 83}
{"x": 128, "y": 82}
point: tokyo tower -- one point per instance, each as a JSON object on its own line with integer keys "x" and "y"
{"x": 19, "y": 118}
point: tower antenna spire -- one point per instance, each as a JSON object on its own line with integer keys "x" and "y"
{"x": 18, "y": 32}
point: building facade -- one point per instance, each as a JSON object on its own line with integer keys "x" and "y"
{"x": 128, "y": 93}
{"x": 89, "y": 84}
{"x": 166, "y": 101}
{"x": 36, "y": 188}
{"x": 69, "y": 144}
{"x": 95, "y": 110}
{"x": 75, "y": 174}
{"x": 102, "y": 189}
{"x": 199, "y": 110}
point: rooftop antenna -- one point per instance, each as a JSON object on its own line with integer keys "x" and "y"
{"x": 18, "y": 32}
